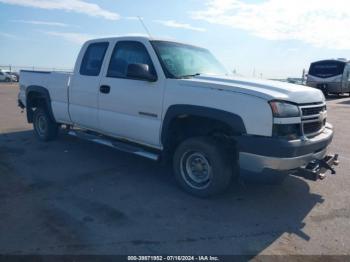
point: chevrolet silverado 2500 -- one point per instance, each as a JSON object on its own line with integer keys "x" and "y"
{"x": 168, "y": 100}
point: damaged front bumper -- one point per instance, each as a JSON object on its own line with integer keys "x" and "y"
{"x": 306, "y": 158}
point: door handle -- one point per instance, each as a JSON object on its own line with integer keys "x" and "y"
{"x": 105, "y": 89}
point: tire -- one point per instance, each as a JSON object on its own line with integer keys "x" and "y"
{"x": 202, "y": 167}
{"x": 45, "y": 128}
{"x": 7, "y": 80}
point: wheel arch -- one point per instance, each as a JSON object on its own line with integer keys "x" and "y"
{"x": 37, "y": 96}
{"x": 175, "y": 112}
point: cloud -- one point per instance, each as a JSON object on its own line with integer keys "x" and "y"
{"x": 76, "y": 38}
{"x": 319, "y": 23}
{"x": 174, "y": 24}
{"x": 78, "y": 6}
{"x": 7, "y": 35}
{"x": 35, "y": 22}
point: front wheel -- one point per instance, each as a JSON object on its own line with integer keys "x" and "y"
{"x": 45, "y": 128}
{"x": 202, "y": 167}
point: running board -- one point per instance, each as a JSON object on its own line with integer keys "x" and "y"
{"x": 119, "y": 145}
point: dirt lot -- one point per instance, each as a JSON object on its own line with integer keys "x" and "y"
{"x": 74, "y": 197}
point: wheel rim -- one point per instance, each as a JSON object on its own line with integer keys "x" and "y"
{"x": 196, "y": 169}
{"x": 41, "y": 125}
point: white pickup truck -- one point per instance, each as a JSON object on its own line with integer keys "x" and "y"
{"x": 168, "y": 100}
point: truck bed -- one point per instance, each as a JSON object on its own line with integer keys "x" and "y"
{"x": 57, "y": 85}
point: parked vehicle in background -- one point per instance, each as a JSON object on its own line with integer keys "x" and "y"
{"x": 330, "y": 76}
{"x": 173, "y": 101}
{"x": 13, "y": 76}
{"x": 5, "y": 77}
{"x": 294, "y": 80}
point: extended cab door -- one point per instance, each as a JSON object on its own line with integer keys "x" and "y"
{"x": 85, "y": 84}
{"x": 131, "y": 108}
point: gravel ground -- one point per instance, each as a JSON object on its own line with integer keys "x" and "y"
{"x": 73, "y": 197}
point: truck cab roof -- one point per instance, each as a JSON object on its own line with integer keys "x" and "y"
{"x": 140, "y": 38}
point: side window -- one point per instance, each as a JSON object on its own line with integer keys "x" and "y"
{"x": 1, "y": 73}
{"x": 126, "y": 53}
{"x": 93, "y": 59}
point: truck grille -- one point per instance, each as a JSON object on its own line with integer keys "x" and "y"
{"x": 312, "y": 127}
{"x": 313, "y": 119}
{"x": 313, "y": 110}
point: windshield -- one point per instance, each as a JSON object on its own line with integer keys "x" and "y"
{"x": 327, "y": 68}
{"x": 180, "y": 60}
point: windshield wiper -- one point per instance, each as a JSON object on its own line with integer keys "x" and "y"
{"x": 191, "y": 75}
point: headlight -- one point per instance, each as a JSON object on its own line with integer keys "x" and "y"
{"x": 284, "y": 109}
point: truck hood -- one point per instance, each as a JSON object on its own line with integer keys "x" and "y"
{"x": 265, "y": 89}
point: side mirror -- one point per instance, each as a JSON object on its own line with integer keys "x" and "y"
{"x": 140, "y": 72}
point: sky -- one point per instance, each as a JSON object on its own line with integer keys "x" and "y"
{"x": 266, "y": 38}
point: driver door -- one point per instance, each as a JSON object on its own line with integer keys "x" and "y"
{"x": 130, "y": 108}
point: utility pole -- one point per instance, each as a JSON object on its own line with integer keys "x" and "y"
{"x": 303, "y": 76}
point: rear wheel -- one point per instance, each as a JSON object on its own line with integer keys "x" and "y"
{"x": 202, "y": 167}
{"x": 45, "y": 128}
